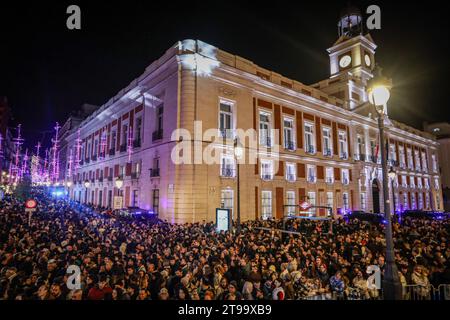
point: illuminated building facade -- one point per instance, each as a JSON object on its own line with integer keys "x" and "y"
{"x": 326, "y": 132}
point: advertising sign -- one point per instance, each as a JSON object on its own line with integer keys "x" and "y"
{"x": 223, "y": 219}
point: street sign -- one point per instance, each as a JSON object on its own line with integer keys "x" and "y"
{"x": 30, "y": 204}
{"x": 305, "y": 206}
{"x": 118, "y": 203}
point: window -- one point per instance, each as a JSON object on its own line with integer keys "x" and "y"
{"x": 309, "y": 138}
{"x": 360, "y": 146}
{"x": 100, "y": 198}
{"x": 124, "y": 135}
{"x": 135, "y": 198}
{"x": 264, "y": 129}
{"x": 405, "y": 201}
{"x": 227, "y": 166}
{"x": 288, "y": 134}
{"x": 291, "y": 175}
{"x": 113, "y": 140}
{"x": 420, "y": 201}
{"x": 345, "y": 177}
{"x": 312, "y": 202}
{"x": 410, "y": 159}
{"x": 266, "y": 204}
{"x": 427, "y": 200}
{"x": 88, "y": 151}
{"x": 419, "y": 182}
{"x": 329, "y": 175}
{"x": 436, "y": 183}
{"x": 330, "y": 199}
{"x": 434, "y": 162}
{"x": 290, "y": 202}
{"x": 417, "y": 157}
{"x": 438, "y": 202}
{"x": 327, "y": 144}
{"x": 404, "y": 183}
{"x": 154, "y": 171}
{"x": 411, "y": 182}
{"x": 266, "y": 169}
{"x": 155, "y": 200}
{"x": 311, "y": 171}
{"x": 343, "y": 147}
{"x": 401, "y": 154}
{"x": 363, "y": 202}
{"x": 226, "y": 120}
{"x": 137, "y": 131}
{"x": 397, "y": 206}
{"x": 122, "y": 171}
{"x": 424, "y": 162}
{"x": 373, "y": 148}
{"x": 413, "y": 201}
{"x": 226, "y": 199}
{"x": 427, "y": 183}
{"x": 345, "y": 201}
{"x": 159, "y": 117}
{"x": 392, "y": 152}
{"x": 94, "y": 153}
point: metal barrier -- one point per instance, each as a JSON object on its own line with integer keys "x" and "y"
{"x": 413, "y": 292}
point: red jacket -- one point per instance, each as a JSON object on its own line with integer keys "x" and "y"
{"x": 98, "y": 294}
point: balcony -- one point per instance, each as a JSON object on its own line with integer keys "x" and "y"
{"x": 374, "y": 159}
{"x": 311, "y": 179}
{"x": 360, "y": 157}
{"x": 226, "y": 133}
{"x": 393, "y": 163}
{"x": 345, "y": 181}
{"x": 135, "y": 175}
{"x": 154, "y": 172}
{"x": 87, "y": 160}
{"x": 123, "y": 147}
{"x": 157, "y": 135}
{"x": 289, "y": 145}
{"x": 291, "y": 177}
{"x": 328, "y": 152}
{"x": 110, "y": 178}
{"x": 137, "y": 143}
{"x": 266, "y": 176}
{"x": 329, "y": 180}
{"x": 112, "y": 152}
{"x": 227, "y": 172}
{"x": 310, "y": 149}
{"x": 94, "y": 158}
{"x": 81, "y": 162}
{"x": 343, "y": 156}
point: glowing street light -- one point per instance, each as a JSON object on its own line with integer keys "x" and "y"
{"x": 119, "y": 183}
{"x": 378, "y": 91}
{"x": 69, "y": 184}
{"x": 87, "y": 184}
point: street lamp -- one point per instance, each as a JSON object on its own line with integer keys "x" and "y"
{"x": 238, "y": 153}
{"x": 378, "y": 90}
{"x": 69, "y": 184}
{"x": 87, "y": 184}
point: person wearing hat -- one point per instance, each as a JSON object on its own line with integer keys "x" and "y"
{"x": 163, "y": 294}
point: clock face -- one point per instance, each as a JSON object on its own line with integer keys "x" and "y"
{"x": 367, "y": 60}
{"x": 345, "y": 61}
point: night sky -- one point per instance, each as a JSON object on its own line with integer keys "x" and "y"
{"x": 47, "y": 70}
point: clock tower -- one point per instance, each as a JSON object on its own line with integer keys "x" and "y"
{"x": 352, "y": 60}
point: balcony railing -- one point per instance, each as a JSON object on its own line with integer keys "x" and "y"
{"x": 123, "y": 147}
{"x": 110, "y": 178}
{"x": 81, "y": 162}
{"x": 289, "y": 145}
{"x": 393, "y": 163}
{"x": 345, "y": 181}
{"x": 137, "y": 143}
{"x": 374, "y": 159}
{"x": 157, "y": 135}
{"x": 310, "y": 149}
{"x": 87, "y": 160}
{"x": 94, "y": 158}
{"x": 227, "y": 172}
{"x": 291, "y": 177}
{"x": 343, "y": 156}
{"x": 360, "y": 157}
{"x": 135, "y": 175}
{"x": 329, "y": 180}
{"x": 266, "y": 176}
{"x": 327, "y": 152}
{"x": 311, "y": 179}
{"x": 226, "y": 133}
{"x": 112, "y": 152}
{"x": 154, "y": 172}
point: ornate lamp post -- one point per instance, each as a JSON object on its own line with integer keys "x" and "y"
{"x": 378, "y": 89}
{"x": 239, "y": 153}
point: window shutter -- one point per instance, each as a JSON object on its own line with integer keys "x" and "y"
{"x": 301, "y": 170}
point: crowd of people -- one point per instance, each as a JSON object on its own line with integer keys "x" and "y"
{"x": 138, "y": 260}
